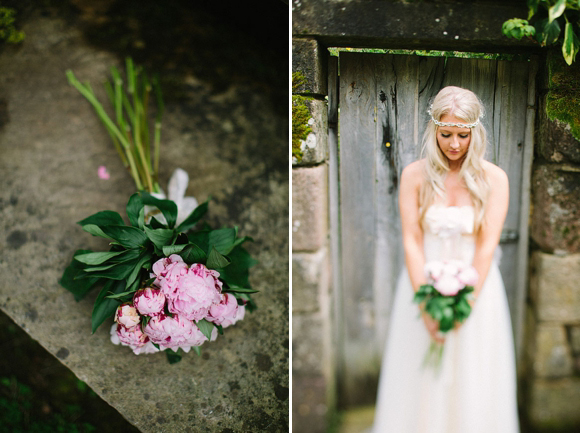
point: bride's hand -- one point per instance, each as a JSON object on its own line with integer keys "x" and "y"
{"x": 432, "y": 327}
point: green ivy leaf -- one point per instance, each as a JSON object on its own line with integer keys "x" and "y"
{"x": 556, "y": 10}
{"x": 193, "y": 254}
{"x": 71, "y": 280}
{"x": 532, "y": 7}
{"x": 571, "y": 44}
{"x": 172, "y": 249}
{"x": 237, "y": 289}
{"x": 173, "y": 357}
{"x": 222, "y": 239}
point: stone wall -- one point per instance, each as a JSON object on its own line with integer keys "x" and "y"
{"x": 552, "y": 387}
{"x": 312, "y": 363}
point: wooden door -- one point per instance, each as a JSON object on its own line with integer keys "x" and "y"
{"x": 383, "y": 101}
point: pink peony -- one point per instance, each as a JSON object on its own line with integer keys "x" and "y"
{"x": 168, "y": 271}
{"x": 227, "y": 312}
{"x": 167, "y": 331}
{"x": 468, "y": 276}
{"x": 149, "y": 301}
{"x": 434, "y": 269}
{"x": 127, "y": 315}
{"x": 448, "y": 285}
{"x": 146, "y": 349}
{"x": 196, "y": 338}
{"x": 195, "y": 292}
{"x": 133, "y": 336}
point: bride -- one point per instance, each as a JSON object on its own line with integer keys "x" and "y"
{"x": 453, "y": 205}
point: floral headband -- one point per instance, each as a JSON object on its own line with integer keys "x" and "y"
{"x": 459, "y": 125}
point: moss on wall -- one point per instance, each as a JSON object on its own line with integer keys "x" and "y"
{"x": 563, "y": 99}
{"x": 300, "y": 127}
{"x": 8, "y": 32}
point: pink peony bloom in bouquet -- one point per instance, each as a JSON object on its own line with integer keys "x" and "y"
{"x": 149, "y": 301}
{"x": 175, "y": 332}
{"x": 227, "y": 312}
{"x": 127, "y": 315}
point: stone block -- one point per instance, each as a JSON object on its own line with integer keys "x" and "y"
{"x": 309, "y": 130}
{"x": 553, "y": 357}
{"x": 310, "y": 407}
{"x": 309, "y": 208}
{"x": 556, "y": 208}
{"x": 309, "y": 344}
{"x": 553, "y": 404}
{"x": 555, "y": 141}
{"x": 309, "y": 67}
{"x": 310, "y": 279}
{"x": 554, "y": 287}
{"x": 574, "y": 332}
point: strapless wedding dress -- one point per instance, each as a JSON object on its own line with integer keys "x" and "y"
{"x": 474, "y": 389}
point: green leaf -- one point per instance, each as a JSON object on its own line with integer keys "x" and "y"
{"x": 167, "y": 207}
{"x": 103, "y": 218}
{"x": 222, "y": 239}
{"x": 193, "y": 217}
{"x": 129, "y": 237}
{"x": 70, "y": 280}
{"x": 201, "y": 239}
{"x": 215, "y": 260}
{"x": 547, "y": 33}
{"x": 160, "y": 237}
{"x": 197, "y": 350}
{"x": 173, "y": 357}
{"x": 133, "y": 276}
{"x": 237, "y": 289}
{"x": 193, "y": 254}
{"x": 134, "y": 208}
{"x": 205, "y": 327}
{"x": 115, "y": 271}
{"x": 532, "y": 7}
{"x": 96, "y": 258}
{"x": 105, "y": 307}
{"x": 571, "y": 44}
{"x": 556, "y": 10}
{"x": 172, "y": 249}
{"x": 237, "y": 272}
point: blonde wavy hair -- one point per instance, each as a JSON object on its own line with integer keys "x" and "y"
{"x": 464, "y": 105}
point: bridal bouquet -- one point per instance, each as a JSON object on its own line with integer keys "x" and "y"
{"x": 445, "y": 297}
{"x": 169, "y": 280}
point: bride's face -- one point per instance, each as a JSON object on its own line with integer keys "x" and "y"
{"x": 453, "y": 141}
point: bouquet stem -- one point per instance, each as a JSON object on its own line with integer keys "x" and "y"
{"x": 434, "y": 356}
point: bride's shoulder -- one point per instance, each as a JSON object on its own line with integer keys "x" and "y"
{"x": 496, "y": 176}
{"x": 414, "y": 170}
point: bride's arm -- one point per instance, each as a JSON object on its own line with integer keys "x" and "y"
{"x": 411, "y": 228}
{"x": 489, "y": 234}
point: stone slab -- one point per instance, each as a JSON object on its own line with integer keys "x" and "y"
{"x": 234, "y": 146}
{"x": 309, "y": 208}
{"x": 309, "y": 67}
{"x": 553, "y": 404}
{"x": 310, "y": 282}
{"x": 556, "y": 207}
{"x": 553, "y": 357}
{"x": 310, "y": 410}
{"x": 453, "y": 25}
{"x": 554, "y": 287}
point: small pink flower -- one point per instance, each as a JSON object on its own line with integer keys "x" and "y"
{"x": 133, "y": 336}
{"x": 146, "y": 349}
{"x": 149, "y": 301}
{"x": 127, "y": 315}
{"x": 103, "y": 173}
{"x": 227, "y": 312}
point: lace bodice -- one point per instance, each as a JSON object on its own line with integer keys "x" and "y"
{"x": 448, "y": 233}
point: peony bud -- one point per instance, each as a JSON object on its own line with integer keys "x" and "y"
{"x": 149, "y": 301}
{"x": 127, "y": 315}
